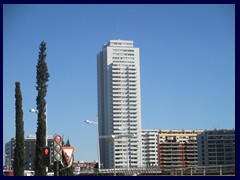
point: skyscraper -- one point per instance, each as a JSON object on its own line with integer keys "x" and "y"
{"x": 119, "y": 104}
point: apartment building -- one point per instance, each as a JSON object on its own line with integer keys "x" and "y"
{"x": 119, "y": 104}
{"x": 30, "y": 143}
{"x": 216, "y": 147}
{"x": 150, "y": 147}
{"x": 178, "y": 148}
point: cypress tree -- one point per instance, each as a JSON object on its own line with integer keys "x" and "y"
{"x": 42, "y": 78}
{"x": 19, "y": 152}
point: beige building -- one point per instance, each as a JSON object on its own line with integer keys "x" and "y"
{"x": 178, "y": 148}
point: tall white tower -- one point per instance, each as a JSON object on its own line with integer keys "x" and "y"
{"x": 119, "y": 104}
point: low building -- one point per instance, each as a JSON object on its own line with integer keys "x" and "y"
{"x": 85, "y": 167}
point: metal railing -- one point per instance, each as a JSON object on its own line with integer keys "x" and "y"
{"x": 221, "y": 170}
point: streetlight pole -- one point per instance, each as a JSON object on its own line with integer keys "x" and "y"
{"x": 114, "y": 163}
{"x": 46, "y": 128}
{"x": 113, "y": 138}
{"x": 6, "y": 161}
{"x": 98, "y": 143}
{"x": 11, "y": 160}
{"x": 127, "y": 144}
{"x": 36, "y": 111}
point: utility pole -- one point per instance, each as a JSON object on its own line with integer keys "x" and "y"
{"x": 56, "y": 168}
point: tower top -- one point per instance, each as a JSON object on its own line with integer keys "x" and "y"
{"x": 119, "y": 43}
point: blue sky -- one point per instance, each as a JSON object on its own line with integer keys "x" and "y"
{"x": 187, "y": 57}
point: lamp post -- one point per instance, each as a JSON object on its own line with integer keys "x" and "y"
{"x": 11, "y": 160}
{"x": 109, "y": 137}
{"x": 115, "y": 137}
{"x": 123, "y": 128}
{"x": 36, "y": 111}
{"x": 98, "y": 146}
{"x": 6, "y": 161}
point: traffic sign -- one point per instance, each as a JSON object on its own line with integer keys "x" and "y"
{"x": 68, "y": 154}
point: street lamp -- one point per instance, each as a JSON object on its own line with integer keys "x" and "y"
{"x": 98, "y": 146}
{"x": 124, "y": 128}
{"x": 11, "y": 160}
{"x": 6, "y": 161}
{"x": 113, "y": 137}
{"x": 36, "y": 111}
{"x": 90, "y": 122}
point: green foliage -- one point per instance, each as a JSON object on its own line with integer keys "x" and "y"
{"x": 42, "y": 78}
{"x": 68, "y": 143}
{"x": 19, "y": 152}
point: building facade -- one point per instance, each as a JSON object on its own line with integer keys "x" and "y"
{"x": 29, "y": 143}
{"x": 9, "y": 154}
{"x": 84, "y": 167}
{"x": 119, "y": 104}
{"x": 216, "y": 147}
{"x": 178, "y": 148}
{"x": 150, "y": 148}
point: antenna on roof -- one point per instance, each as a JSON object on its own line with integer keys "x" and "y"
{"x": 117, "y": 33}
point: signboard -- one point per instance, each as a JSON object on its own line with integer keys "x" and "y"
{"x": 68, "y": 154}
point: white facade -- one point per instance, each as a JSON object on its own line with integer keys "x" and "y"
{"x": 150, "y": 147}
{"x": 119, "y": 104}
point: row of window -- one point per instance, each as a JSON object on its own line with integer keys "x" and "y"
{"x": 118, "y": 66}
{"x": 123, "y": 60}
{"x": 179, "y": 132}
{"x": 124, "y": 93}
{"x": 124, "y": 73}
{"x": 124, "y": 84}
{"x": 124, "y": 108}
{"x": 124, "y": 80}
{"x": 123, "y": 54}
{"x": 120, "y": 120}
{"x": 124, "y": 117}
{"x": 124, "y": 97}
{"x": 130, "y": 105}
{"x": 123, "y": 77}
{"x": 123, "y": 50}
{"x": 120, "y": 89}
{"x": 123, "y": 113}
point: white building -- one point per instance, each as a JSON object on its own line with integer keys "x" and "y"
{"x": 150, "y": 147}
{"x": 119, "y": 104}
